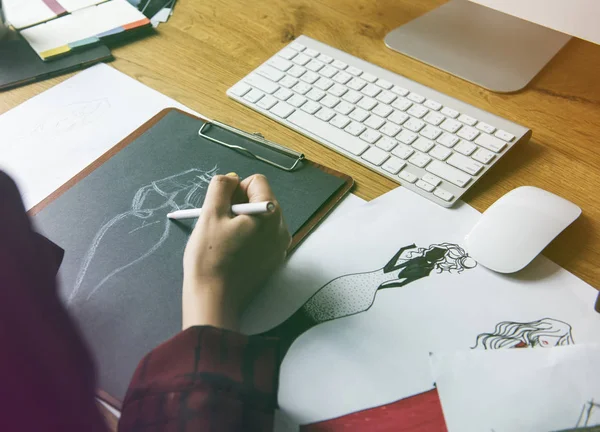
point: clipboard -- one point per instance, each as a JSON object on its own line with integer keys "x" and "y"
{"x": 122, "y": 265}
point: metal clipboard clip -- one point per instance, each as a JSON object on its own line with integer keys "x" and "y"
{"x": 254, "y": 137}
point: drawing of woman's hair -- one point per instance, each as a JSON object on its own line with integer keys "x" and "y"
{"x": 508, "y": 334}
{"x": 455, "y": 257}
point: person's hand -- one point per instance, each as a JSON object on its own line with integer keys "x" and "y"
{"x": 228, "y": 257}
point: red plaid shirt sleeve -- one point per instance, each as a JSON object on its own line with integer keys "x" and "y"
{"x": 204, "y": 379}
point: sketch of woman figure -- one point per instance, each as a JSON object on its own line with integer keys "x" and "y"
{"x": 141, "y": 230}
{"x": 546, "y": 332}
{"x": 355, "y": 293}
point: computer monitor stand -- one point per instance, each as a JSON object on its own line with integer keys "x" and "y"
{"x": 497, "y": 51}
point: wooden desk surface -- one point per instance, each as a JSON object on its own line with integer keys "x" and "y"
{"x": 207, "y": 46}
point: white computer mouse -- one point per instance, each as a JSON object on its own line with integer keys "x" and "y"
{"x": 517, "y": 227}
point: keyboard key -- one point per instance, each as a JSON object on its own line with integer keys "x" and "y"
{"x": 359, "y": 114}
{"x": 464, "y": 163}
{"x": 386, "y": 97}
{"x": 431, "y": 179}
{"x": 328, "y": 71}
{"x": 288, "y": 81}
{"x": 431, "y": 104}
{"x": 342, "y": 77}
{"x": 450, "y": 112}
{"x": 416, "y": 97}
{"x": 387, "y": 144}
{"x": 407, "y": 137}
{"x": 297, "y": 46}
{"x": 398, "y": 117}
{"x": 329, "y": 101}
{"x": 267, "y": 102}
{"x": 282, "y": 109}
{"x": 417, "y": 111}
{"x": 423, "y": 144}
{"x": 452, "y": 175}
{"x": 374, "y": 122}
{"x": 296, "y": 71}
{"x": 382, "y": 110}
{"x": 323, "y": 83}
{"x": 352, "y": 96}
{"x": 240, "y": 89}
{"x": 425, "y": 186}
{"x": 419, "y": 159}
{"x": 491, "y": 143}
{"x": 309, "y": 77}
{"x": 339, "y": 64}
{"x": 393, "y": 165}
{"x": 407, "y": 176}
{"x": 311, "y": 107}
{"x": 467, "y": 120}
{"x": 414, "y": 125}
{"x": 484, "y": 156}
{"x": 356, "y": 83}
{"x": 443, "y": 194}
{"x": 369, "y": 77}
{"x": 301, "y": 88}
{"x": 296, "y": 100}
{"x": 261, "y": 83}
{"x": 447, "y": 140}
{"x": 325, "y": 114}
{"x": 439, "y": 152}
{"x": 402, "y": 151}
{"x": 254, "y": 95}
{"x": 371, "y": 90}
{"x": 384, "y": 84}
{"x": 354, "y": 71}
{"x": 400, "y": 91}
{"x": 503, "y": 135}
{"x": 434, "y": 118}
{"x": 355, "y": 128}
{"x": 465, "y": 147}
{"x": 402, "y": 104}
{"x": 325, "y": 58}
{"x": 430, "y": 132}
{"x": 390, "y": 129}
{"x": 340, "y": 121}
{"x": 366, "y": 103}
{"x": 315, "y": 94}
{"x": 315, "y": 65}
{"x": 328, "y": 132}
{"x": 288, "y": 53}
{"x": 375, "y": 156}
{"x": 344, "y": 108}
{"x": 311, "y": 52}
{"x": 301, "y": 59}
{"x": 468, "y": 133}
{"x": 283, "y": 94}
{"x": 451, "y": 125}
{"x": 484, "y": 127}
{"x": 370, "y": 136}
{"x": 281, "y": 64}
{"x": 337, "y": 90}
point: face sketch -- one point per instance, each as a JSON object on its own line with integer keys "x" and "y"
{"x": 547, "y": 341}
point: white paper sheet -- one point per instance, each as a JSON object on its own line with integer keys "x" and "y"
{"x": 382, "y": 355}
{"x": 24, "y": 13}
{"x": 48, "y": 139}
{"x": 519, "y": 390}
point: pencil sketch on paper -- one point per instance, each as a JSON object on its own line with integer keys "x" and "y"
{"x": 148, "y": 216}
{"x": 355, "y": 293}
{"x": 546, "y": 332}
{"x": 590, "y": 415}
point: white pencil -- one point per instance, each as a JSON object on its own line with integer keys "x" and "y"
{"x": 236, "y": 209}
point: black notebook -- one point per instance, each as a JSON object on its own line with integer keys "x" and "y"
{"x": 122, "y": 271}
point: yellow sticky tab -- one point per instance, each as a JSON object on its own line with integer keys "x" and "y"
{"x": 55, "y": 51}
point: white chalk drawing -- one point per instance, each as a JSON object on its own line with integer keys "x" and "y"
{"x": 545, "y": 333}
{"x": 149, "y": 208}
{"x": 355, "y": 293}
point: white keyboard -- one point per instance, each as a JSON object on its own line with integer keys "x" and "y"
{"x": 429, "y": 142}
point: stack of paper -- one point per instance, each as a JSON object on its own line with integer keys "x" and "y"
{"x": 26, "y": 13}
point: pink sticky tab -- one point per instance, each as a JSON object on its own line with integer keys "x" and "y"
{"x": 55, "y": 7}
